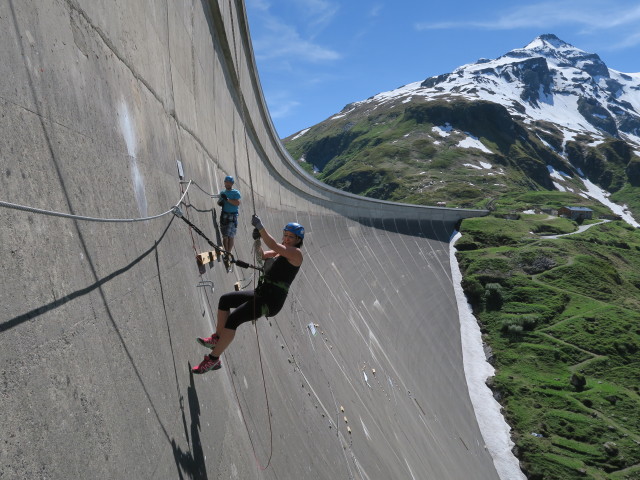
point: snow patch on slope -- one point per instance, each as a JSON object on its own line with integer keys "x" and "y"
{"x": 473, "y": 142}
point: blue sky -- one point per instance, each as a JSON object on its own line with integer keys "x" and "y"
{"x": 316, "y": 56}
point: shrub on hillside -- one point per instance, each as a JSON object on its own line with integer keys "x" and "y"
{"x": 578, "y": 381}
{"x": 474, "y": 291}
{"x": 493, "y": 297}
{"x": 517, "y": 324}
{"x": 537, "y": 264}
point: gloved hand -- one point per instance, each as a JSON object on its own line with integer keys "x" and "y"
{"x": 220, "y": 202}
{"x": 223, "y": 196}
{"x": 256, "y": 222}
{"x": 255, "y": 234}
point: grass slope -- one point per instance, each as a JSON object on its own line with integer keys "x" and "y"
{"x": 562, "y": 319}
{"x": 420, "y": 152}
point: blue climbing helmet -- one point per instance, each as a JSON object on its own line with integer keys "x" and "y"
{"x": 229, "y": 178}
{"x": 295, "y": 228}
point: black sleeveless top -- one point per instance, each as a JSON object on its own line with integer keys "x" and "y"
{"x": 281, "y": 271}
{"x": 273, "y": 286}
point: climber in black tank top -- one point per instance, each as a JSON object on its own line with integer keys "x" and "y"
{"x": 282, "y": 263}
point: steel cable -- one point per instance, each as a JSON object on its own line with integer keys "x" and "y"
{"x": 89, "y": 219}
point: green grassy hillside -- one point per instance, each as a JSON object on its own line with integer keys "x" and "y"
{"x": 562, "y": 318}
{"x": 419, "y": 152}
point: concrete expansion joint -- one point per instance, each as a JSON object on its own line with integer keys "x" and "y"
{"x": 193, "y": 136}
{"x": 45, "y": 118}
{"x": 73, "y": 5}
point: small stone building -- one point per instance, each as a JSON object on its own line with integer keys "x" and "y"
{"x": 576, "y": 213}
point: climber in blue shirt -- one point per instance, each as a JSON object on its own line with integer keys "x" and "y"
{"x": 229, "y": 201}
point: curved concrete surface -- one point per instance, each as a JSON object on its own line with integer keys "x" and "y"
{"x": 98, "y": 101}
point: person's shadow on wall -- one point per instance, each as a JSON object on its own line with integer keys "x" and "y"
{"x": 191, "y": 463}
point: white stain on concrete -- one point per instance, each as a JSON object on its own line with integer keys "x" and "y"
{"x": 129, "y": 134}
{"x": 373, "y": 341}
{"x": 409, "y": 467}
{"x": 364, "y": 429}
{"x": 378, "y": 306}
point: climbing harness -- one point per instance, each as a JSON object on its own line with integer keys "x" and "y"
{"x": 265, "y": 286}
{"x": 228, "y": 217}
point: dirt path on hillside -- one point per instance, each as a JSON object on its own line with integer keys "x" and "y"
{"x": 580, "y": 230}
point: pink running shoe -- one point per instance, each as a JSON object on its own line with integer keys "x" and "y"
{"x": 208, "y": 342}
{"x": 206, "y": 365}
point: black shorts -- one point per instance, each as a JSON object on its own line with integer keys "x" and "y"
{"x": 249, "y": 306}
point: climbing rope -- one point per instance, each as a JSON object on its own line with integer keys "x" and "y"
{"x": 259, "y": 261}
{"x": 255, "y": 247}
{"x": 88, "y": 219}
{"x": 256, "y": 252}
{"x": 175, "y": 210}
{"x": 246, "y": 149}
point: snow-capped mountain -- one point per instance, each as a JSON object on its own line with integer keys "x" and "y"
{"x": 547, "y": 80}
{"x": 545, "y": 117}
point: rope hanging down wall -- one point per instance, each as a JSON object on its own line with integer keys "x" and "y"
{"x": 256, "y": 245}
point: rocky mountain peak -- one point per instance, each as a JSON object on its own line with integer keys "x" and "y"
{"x": 547, "y": 41}
{"x": 547, "y": 79}
{"x": 561, "y": 54}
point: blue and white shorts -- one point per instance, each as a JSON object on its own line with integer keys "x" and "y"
{"x": 228, "y": 224}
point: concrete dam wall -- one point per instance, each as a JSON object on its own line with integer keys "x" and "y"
{"x": 105, "y": 107}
